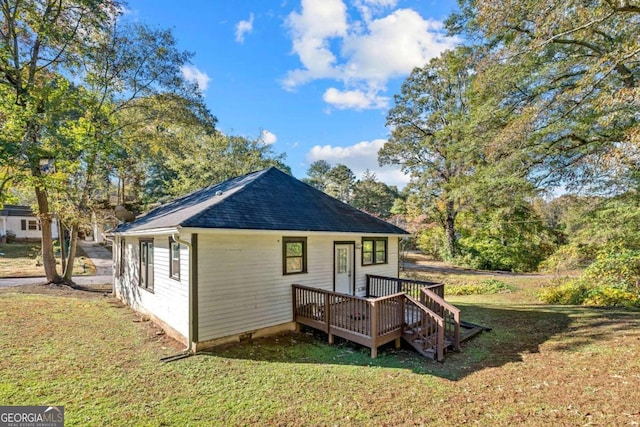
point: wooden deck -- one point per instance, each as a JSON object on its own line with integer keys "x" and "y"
{"x": 396, "y": 309}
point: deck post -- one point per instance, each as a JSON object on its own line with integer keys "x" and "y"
{"x": 398, "y": 344}
{"x": 374, "y": 329}
{"x": 327, "y": 314}
{"x": 295, "y": 304}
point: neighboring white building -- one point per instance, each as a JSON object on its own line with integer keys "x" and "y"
{"x": 21, "y": 221}
{"x": 219, "y": 263}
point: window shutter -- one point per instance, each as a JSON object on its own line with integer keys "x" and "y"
{"x": 23, "y": 224}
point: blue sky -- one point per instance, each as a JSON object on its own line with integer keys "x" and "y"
{"x": 314, "y": 78}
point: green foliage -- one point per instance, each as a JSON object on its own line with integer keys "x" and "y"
{"x": 519, "y": 252}
{"x": 568, "y": 258}
{"x": 592, "y": 225}
{"x": 317, "y": 174}
{"x": 211, "y": 158}
{"x": 612, "y": 280}
{"x": 564, "y": 76}
{"x": 431, "y": 138}
{"x": 579, "y": 292}
{"x": 373, "y": 196}
{"x": 432, "y": 241}
{"x": 487, "y": 286}
{"x": 571, "y": 292}
{"x": 617, "y": 267}
{"x": 337, "y": 181}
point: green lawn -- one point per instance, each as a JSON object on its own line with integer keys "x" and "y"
{"x": 541, "y": 365}
{"x": 23, "y": 260}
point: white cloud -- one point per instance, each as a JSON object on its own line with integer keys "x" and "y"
{"x": 360, "y": 157}
{"x": 355, "y": 99}
{"x": 193, "y": 74}
{"x": 243, "y": 28}
{"x": 268, "y": 137}
{"x": 368, "y": 8}
{"x": 311, "y": 31}
{"x": 361, "y": 54}
{"x": 393, "y": 46}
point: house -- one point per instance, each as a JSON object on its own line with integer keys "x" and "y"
{"x": 219, "y": 264}
{"x": 21, "y": 222}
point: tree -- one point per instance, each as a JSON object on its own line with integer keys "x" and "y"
{"x": 317, "y": 174}
{"x": 373, "y": 196}
{"x": 570, "y": 72}
{"x": 214, "y": 158}
{"x": 40, "y": 42}
{"x": 336, "y": 181}
{"x": 77, "y": 127}
{"x": 430, "y": 139}
{"x": 340, "y": 180}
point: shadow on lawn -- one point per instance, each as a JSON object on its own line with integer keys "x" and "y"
{"x": 516, "y": 331}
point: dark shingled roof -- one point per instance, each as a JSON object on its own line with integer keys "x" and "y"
{"x": 16, "y": 210}
{"x": 265, "y": 200}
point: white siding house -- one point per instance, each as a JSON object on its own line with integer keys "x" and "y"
{"x": 219, "y": 263}
{"x": 23, "y": 223}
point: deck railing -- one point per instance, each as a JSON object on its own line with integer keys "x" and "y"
{"x": 379, "y": 286}
{"x": 394, "y": 308}
{"x": 371, "y": 322}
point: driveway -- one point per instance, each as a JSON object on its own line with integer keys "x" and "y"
{"x": 99, "y": 255}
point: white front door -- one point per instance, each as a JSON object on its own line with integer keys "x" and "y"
{"x": 343, "y": 265}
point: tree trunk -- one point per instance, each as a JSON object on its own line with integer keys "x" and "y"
{"x": 63, "y": 249}
{"x": 450, "y": 229}
{"x": 48, "y": 257}
{"x": 73, "y": 241}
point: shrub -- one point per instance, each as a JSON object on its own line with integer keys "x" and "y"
{"x": 612, "y": 297}
{"x": 567, "y": 258}
{"x": 572, "y": 292}
{"x": 431, "y": 241}
{"x": 615, "y": 267}
{"x": 612, "y": 280}
{"x": 580, "y": 292}
{"x": 487, "y": 286}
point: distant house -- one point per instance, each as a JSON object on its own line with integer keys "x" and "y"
{"x": 219, "y": 263}
{"x": 23, "y": 223}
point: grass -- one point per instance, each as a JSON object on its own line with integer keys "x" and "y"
{"x": 541, "y": 365}
{"x": 22, "y": 259}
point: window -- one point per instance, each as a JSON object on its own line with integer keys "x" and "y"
{"x": 374, "y": 251}
{"x": 294, "y": 255}
{"x": 31, "y": 224}
{"x": 146, "y": 264}
{"x": 174, "y": 253}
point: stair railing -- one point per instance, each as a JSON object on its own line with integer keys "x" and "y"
{"x": 449, "y": 313}
{"x": 425, "y": 327}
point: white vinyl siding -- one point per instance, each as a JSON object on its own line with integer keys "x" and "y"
{"x": 241, "y": 285}
{"x": 169, "y": 300}
{"x": 14, "y": 224}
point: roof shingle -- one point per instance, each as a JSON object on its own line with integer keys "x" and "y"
{"x": 264, "y": 200}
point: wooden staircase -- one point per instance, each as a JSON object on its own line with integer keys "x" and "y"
{"x": 433, "y": 326}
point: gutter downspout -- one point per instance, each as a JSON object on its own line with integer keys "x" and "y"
{"x": 187, "y": 351}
